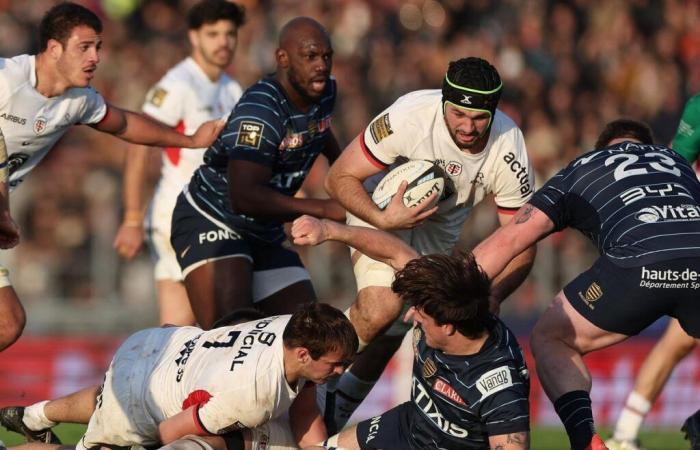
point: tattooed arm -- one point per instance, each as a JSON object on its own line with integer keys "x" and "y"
{"x": 528, "y": 226}
{"x": 512, "y": 441}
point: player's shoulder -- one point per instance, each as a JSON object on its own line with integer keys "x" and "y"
{"x": 17, "y": 68}
{"x": 417, "y": 102}
{"x": 181, "y": 76}
{"x": 231, "y": 85}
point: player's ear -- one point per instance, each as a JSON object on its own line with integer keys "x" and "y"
{"x": 54, "y": 48}
{"x": 449, "y": 329}
{"x": 193, "y": 37}
{"x": 282, "y": 58}
{"x": 303, "y": 355}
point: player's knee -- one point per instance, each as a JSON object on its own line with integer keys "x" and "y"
{"x": 11, "y": 327}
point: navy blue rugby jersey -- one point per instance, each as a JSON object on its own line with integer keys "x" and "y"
{"x": 462, "y": 400}
{"x": 638, "y": 203}
{"x": 266, "y": 128}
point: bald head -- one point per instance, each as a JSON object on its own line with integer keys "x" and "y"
{"x": 300, "y": 29}
{"x": 304, "y": 60}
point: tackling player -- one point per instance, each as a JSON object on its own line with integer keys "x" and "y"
{"x": 675, "y": 344}
{"x": 43, "y": 95}
{"x": 470, "y": 383}
{"x": 227, "y": 225}
{"x": 166, "y": 383}
{"x": 481, "y": 151}
{"x": 192, "y": 92}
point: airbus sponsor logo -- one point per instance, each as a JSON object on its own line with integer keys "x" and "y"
{"x": 670, "y": 213}
{"x": 14, "y": 119}
{"x": 421, "y": 398}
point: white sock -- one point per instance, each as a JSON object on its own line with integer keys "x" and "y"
{"x": 35, "y": 419}
{"x": 354, "y": 390}
{"x": 631, "y": 417}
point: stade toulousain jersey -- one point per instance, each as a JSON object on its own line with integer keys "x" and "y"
{"x": 264, "y": 128}
{"x": 414, "y": 128}
{"x": 462, "y": 400}
{"x": 184, "y": 99}
{"x": 235, "y": 374}
{"x": 32, "y": 123}
{"x": 638, "y": 203}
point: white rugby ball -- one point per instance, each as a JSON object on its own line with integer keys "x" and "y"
{"x": 424, "y": 177}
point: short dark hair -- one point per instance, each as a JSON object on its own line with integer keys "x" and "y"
{"x": 210, "y": 11}
{"x": 625, "y": 128}
{"x": 59, "y": 21}
{"x": 237, "y": 316}
{"x": 450, "y": 289}
{"x": 321, "y": 328}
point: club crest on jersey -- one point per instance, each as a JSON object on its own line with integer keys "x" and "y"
{"x": 493, "y": 381}
{"x": 592, "y": 294}
{"x": 429, "y": 368}
{"x": 39, "y": 125}
{"x": 443, "y": 387}
{"x": 380, "y": 128}
{"x": 157, "y": 96}
{"x": 453, "y": 168}
{"x": 250, "y": 134}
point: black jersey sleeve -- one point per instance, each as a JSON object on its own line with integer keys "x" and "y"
{"x": 504, "y": 406}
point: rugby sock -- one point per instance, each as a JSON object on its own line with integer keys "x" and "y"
{"x": 574, "y": 410}
{"x": 35, "y": 419}
{"x": 631, "y": 417}
{"x": 349, "y": 393}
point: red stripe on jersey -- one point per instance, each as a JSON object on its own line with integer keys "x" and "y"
{"x": 509, "y": 211}
{"x": 368, "y": 154}
{"x": 173, "y": 153}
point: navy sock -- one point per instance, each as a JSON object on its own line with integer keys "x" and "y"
{"x": 574, "y": 410}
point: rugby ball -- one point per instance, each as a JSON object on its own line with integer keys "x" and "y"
{"x": 424, "y": 177}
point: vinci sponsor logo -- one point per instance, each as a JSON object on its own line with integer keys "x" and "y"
{"x": 494, "y": 380}
{"x": 520, "y": 172}
{"x": 669, "y": 279}
{"x": 373, "y": 428}
{"x": 448, "y": 391}
{"x": 421, "y": 398}
{"x": 668, "y": 213}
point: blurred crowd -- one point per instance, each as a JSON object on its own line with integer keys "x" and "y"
{"x": 568, "y": 67}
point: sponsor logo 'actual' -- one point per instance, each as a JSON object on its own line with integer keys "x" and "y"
{"x": 493, "y": 381}
{"x": 520, "y": 172}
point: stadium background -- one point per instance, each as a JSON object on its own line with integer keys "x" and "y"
{"x": 568, "y": 67}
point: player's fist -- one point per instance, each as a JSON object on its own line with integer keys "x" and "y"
{"x": 398, "y": 216}
{"x": 9, "y": 232}
{"x": 207, "y": 133}
{"x": 307, "y": 230}
{"x": 128, "y": 241}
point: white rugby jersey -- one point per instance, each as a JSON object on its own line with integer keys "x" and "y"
{"x": 235, "y": 374}
{"x": 414, "y": 128}
{"x": 33, "y": 123}
{"x": 184, "y": 99}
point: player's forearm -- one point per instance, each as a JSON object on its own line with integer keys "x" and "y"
{"x": 133, "y": 183}
{"x": 513, "y": 275}
{"x": 265, "y": 203}
{"x": 378, "y": 245}
{"x": 139, "y": 129}
{"x": 349, "y": 191}
{"x": 511, "y": 441}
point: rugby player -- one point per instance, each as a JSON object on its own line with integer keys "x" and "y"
{"x": 41, "y": 96}
{"x": 196, "y": 90}
{"x": 227, "y": 225}
{"x": 482, "y": 152}
{"x": 470, "y": 383}
{"x": 167, "y": 383}
{"x": 675, "y": 344}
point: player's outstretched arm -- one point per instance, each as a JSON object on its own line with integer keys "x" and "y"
{"x": 378, "y": 245}
{"x": 139, "y": 129}
{"x": 527, "y": 227}
{"x": 129, "y": 239}
{"x": 305, "y": 419}
{"x": 179, "y": 425}
{"x": 344, "y": 183}
{"x": 511, "y": 441}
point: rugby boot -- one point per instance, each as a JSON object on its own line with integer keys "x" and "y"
{"x": 691, "y": 428}
{"x": 597, "y": 444}
{"x": 11, "y": 418}
{"x": 616, "y": 444}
